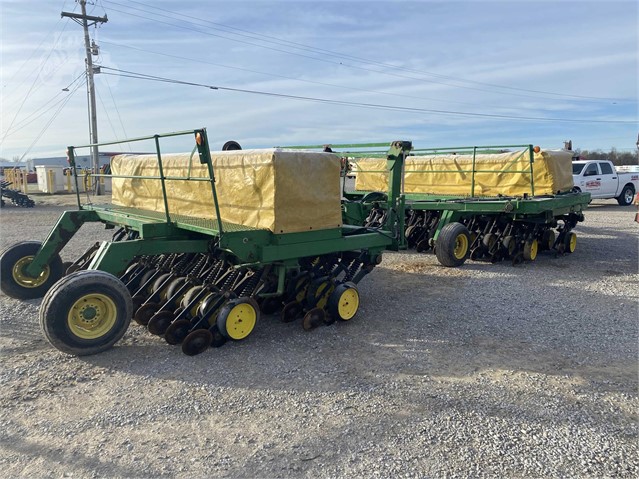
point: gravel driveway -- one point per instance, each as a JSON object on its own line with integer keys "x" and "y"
{"x": 485, "y": 370}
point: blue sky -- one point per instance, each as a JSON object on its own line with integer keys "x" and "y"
{"x": 572, "y": 60}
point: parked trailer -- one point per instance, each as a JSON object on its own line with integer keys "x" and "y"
{"x": 478, "y": 222}
{"x": 197, "y": 280}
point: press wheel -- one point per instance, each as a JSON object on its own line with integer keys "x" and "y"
{"x": 196, "y": 342}
{"x": 237, "y": 318}
{"x": 570, "y": 242}
{"x": 344, "y": 302}
{"x": 548, "y": 240}
{"x": 531, "y": 248}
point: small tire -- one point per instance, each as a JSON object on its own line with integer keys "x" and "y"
{"x": 453, "y": 245}
{"x": 570, "y": 242}
{"x": 237, "y": 318}
{"x": 547, "y": 240}
{"x": 15, "y": 282}
{"x": 86, "y": 312}
{"x": 343, "y": 303}
{"x": 531, "y": 248}
{"x": 626, "y": 196}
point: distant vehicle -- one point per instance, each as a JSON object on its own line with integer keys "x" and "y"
{"x": 602, "y": 180}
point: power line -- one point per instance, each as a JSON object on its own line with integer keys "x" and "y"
{"x": 27, "y": 121}
{"x": 41, "y": 66}
{"x": 35, "y": 51}
{"x": 142, "y": 76}
{"x": 117, "y": 111}
{"x": 275, "y": 75}
{"x": 303, "y": 47}
{"x": 51, "y": 120}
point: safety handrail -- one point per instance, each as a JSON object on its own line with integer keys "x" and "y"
{"x": 202, "y": 146}
{"x": 369, "y": 150}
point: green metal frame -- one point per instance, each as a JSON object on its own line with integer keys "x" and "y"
{"x": 165, "y": 232}
{"x": 541, "y": 209}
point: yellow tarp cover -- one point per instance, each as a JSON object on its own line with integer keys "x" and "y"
{"x": 452, "y": 174}
{"x": 283, "y": 191}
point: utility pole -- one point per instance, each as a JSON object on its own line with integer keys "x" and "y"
{"x": 84, "y": 19}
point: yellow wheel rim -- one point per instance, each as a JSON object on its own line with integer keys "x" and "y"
{"x": 302, "y": 288}
{"x": 461, "y": 246}
{"x": 92, "y": 316}
{"x": 534, "y": 246}
{"x": 348, "y": 304}
{"x": 241, "y": 321}
{"x": 20, "y": 277}
{"x": 323, "y": 292}
{"x": 572, "y": 245}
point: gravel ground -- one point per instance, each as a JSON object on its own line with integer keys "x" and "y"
{"x": 485, "y": 370}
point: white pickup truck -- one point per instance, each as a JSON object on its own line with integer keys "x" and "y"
{"x": 601, "y": 179}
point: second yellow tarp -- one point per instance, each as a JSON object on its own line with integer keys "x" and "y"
{"x": 496, "y": 174}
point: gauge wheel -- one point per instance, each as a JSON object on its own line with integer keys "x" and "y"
{"x": 158, "y": 285}
{"x": 489, "y": 240}
{"x": 173, "y": 288}
{"x": 15, "y": 282}
{"x": 570, "y": 242}
{"x": 343, "y": 303}
{"x": 238, "y": 317}
{"x": 509, "y": 243}
{"x": 531, "y": 247}
{"x": 453, "y": 245}
{"x": 318, "y": 293}
{"x": 144, "y": 279}
{"x": 86, "y": 312}
{"x": 189, "y": 297}
{"x": 210, "y": 305}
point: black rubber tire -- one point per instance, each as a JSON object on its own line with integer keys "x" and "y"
{"x": 446, "y": 243}
{"x": 332, "y": 306}
{"x": 58, "y": 302}
{"x": 8, "y": 259}
{"x": 226, "y": 324}
{"x": 626, "y": 196}
{"x": 547, "y": 240}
